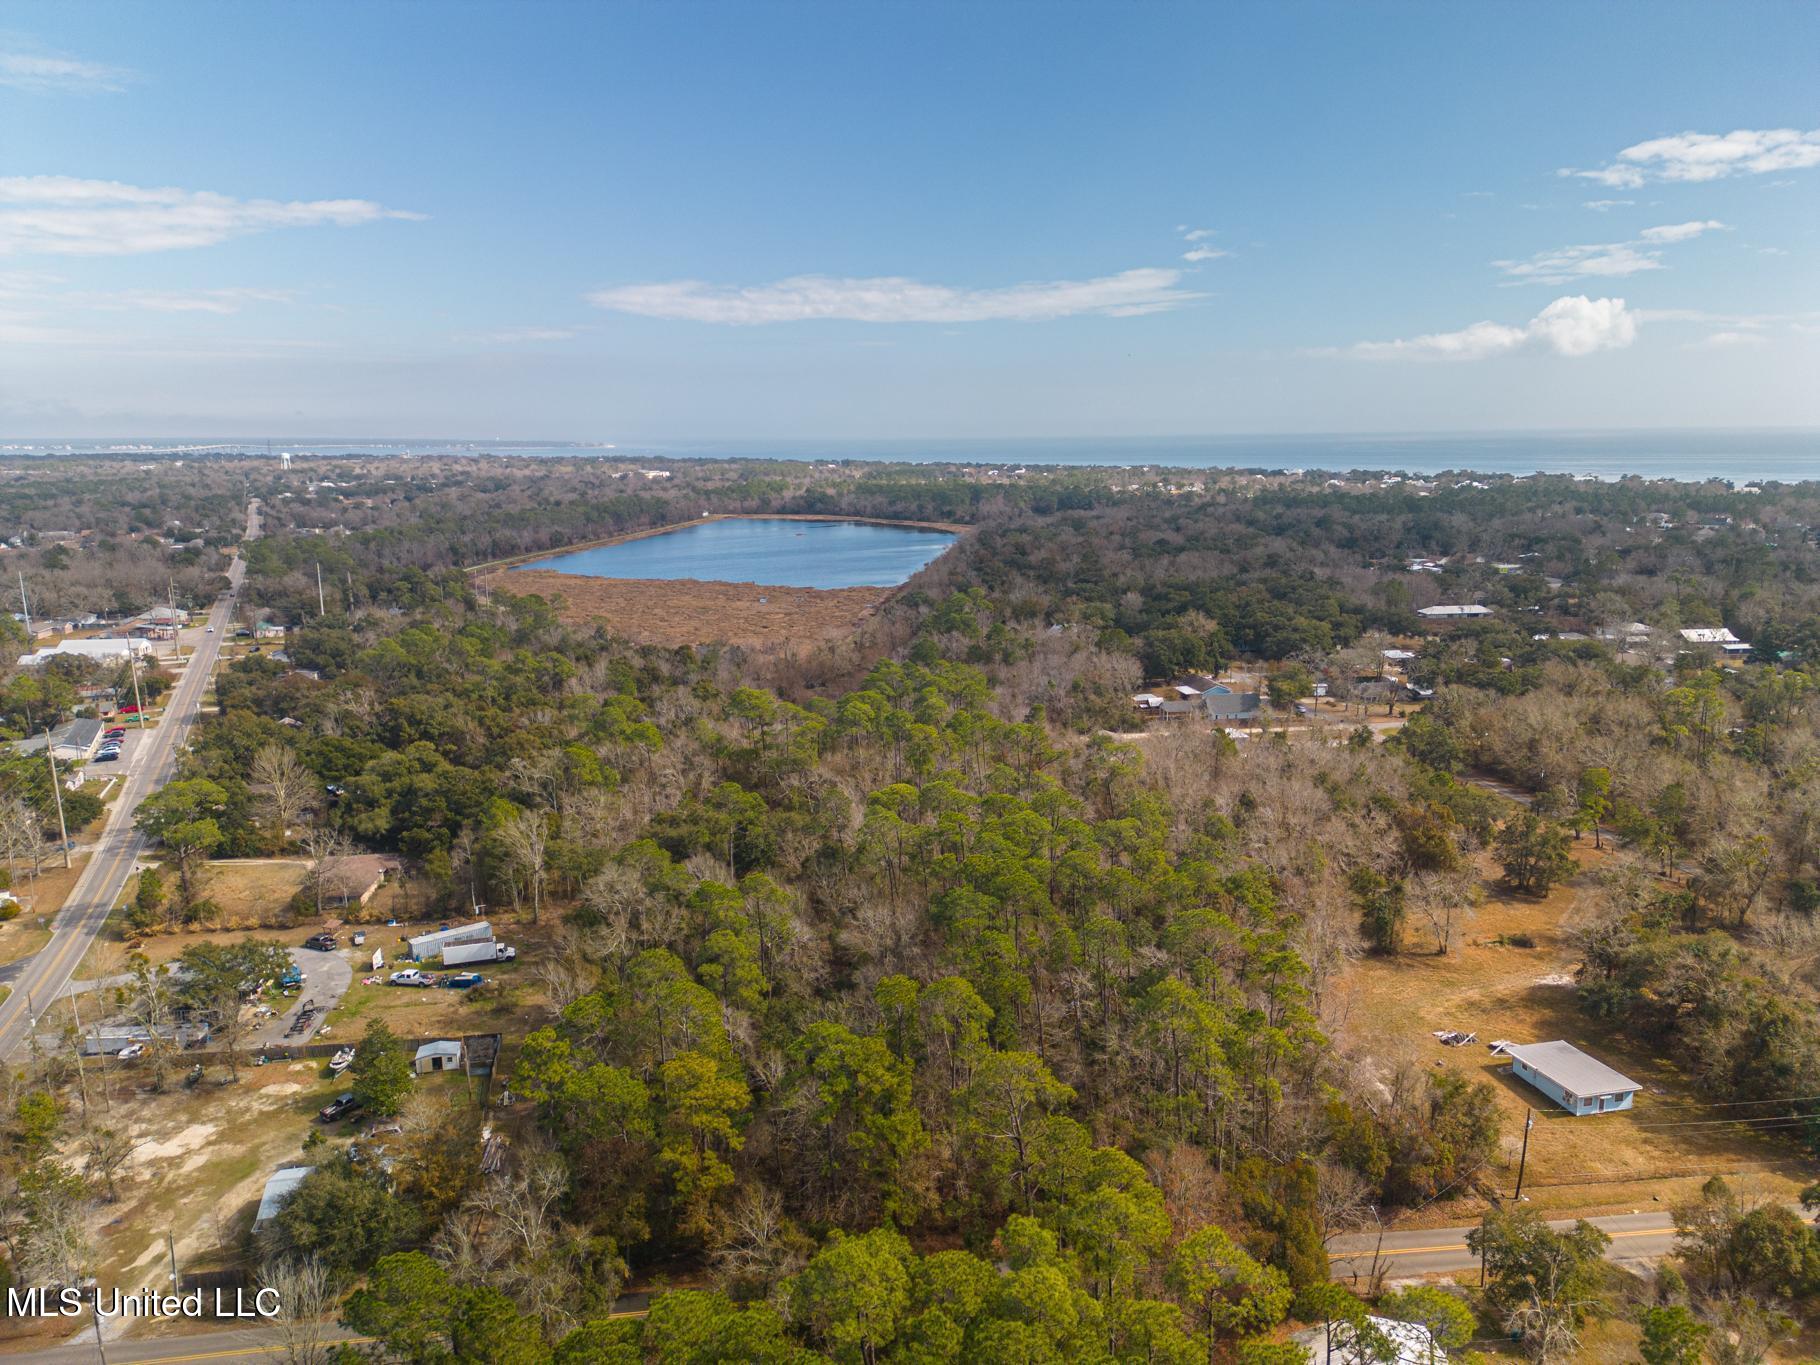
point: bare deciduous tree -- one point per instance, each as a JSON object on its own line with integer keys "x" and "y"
{"x": 304, "y": 1296}
{"x": 284, "y": 790}
{"x": 323, "y": 845}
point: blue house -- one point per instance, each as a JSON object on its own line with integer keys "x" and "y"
{"x": 1578, "y": 1083}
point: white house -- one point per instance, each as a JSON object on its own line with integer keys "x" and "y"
{"x": 1716, "y": 637}
{"x": 1578, "y": 1083}
{"x": 1458, "y": 612}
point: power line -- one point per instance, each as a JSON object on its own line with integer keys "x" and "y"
{"x": 1731, "y": 1123}
{"x": 1774, "y": 1099}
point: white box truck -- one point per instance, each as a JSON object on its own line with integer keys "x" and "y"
{"x": 460, "y": 954}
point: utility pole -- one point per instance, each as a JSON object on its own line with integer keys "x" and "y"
{"x": 1523, "y": 1161}
{"x": 132, "y": 660}
{"x": 57, "y": 791}
{"x": 321, "y": 606}
{"x": 25, "y": 609}
{"x": 94, "y": 1304}
{"x": 170, "y": 1242}
{"x": 81, "y": 1071}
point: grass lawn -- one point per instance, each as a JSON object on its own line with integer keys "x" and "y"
{"x": 510, "y": 1002}
{"x": 253, "y": 892}
{"x": 1606, "y": 1163}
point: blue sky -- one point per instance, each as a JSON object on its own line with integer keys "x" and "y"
{"x": 691, "y": 221}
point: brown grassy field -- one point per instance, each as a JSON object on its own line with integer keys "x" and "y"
{"x": 687, "y": 611}
{"x": 40, "y": 898}
{"x": 1607, "y": 1163}
{"x": 252, "y": 893}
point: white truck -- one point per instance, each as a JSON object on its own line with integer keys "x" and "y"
{"x": 460, "y": 954}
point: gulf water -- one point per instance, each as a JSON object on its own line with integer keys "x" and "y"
{"x": 1788, "y": 456}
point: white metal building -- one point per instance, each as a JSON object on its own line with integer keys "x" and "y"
{"x": 443, "y": 1056}
{"x": 104, "y": 651}
{"x": 424, "y": 946}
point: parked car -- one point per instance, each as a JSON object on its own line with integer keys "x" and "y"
{"x": 322, "y": 943}
{"x": 410, "y": 976}
{"x": 108, "y": 756}
{"x": 338, "y": 1108}
{"x": 462, "y": 981}
{"x": 118, "y": 732}
{"x": 130, "y": 1051}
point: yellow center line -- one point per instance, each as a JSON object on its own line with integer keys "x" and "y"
{"x": 1461, "y": 1246}
{"x": 273, "y": 1349}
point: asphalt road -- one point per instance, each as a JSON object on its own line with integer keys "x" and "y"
{"x": 1438, "y": 1250}
{"x": 45, "y": 974}
{"x": 235, "y": 1344}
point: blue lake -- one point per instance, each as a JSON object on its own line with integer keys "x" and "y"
{"x": 789, "y": 554}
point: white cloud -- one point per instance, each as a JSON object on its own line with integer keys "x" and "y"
{"x": 42, "y": 74}
{"x": 1709, "y": 156}
{"x": 63, "y": 215}
{"x": 1599, "y": 260}
{"x": 1605, "y": 205}
{"x": 1194, "y": 234}
{"x": 221, "y": 301}
{"x": 1130, "y": 293}
{"x": 1732, "y": 341}
{"x": 1571, "y": 326}
{"x": 1204, "y": 253}
{"x": 1682, "y": 232}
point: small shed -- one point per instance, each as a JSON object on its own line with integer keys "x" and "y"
{"x": 280, "y": 1187}
{"x": 1578, "y": 1083}
{"x": 440, "y": 1056}
{"x": 426, "y": 946}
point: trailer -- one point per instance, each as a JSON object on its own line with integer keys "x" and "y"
{"x": 460, "y": 954}
{"x": 424, "y": 946}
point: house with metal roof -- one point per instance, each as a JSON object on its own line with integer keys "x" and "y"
{"x": 1580, "y": 1084}
{"x": 1717, "y": 638}
{"x": 71, "y": 742}
{"x": 1454, "y": 611}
